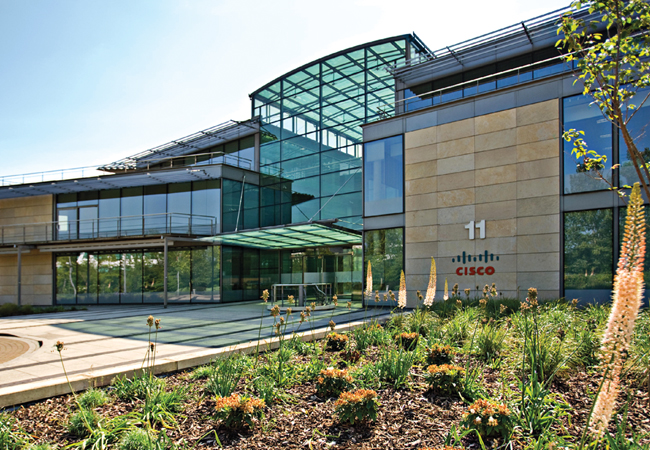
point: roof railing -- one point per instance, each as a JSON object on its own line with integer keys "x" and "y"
{"x": 108, "y": 227}
{"x": 479, "y": 86}
{"x": 198, "y": 159}
{"x": 52, "y": 175}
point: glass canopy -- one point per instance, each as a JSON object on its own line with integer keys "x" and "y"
{"x": 290, "y": 237}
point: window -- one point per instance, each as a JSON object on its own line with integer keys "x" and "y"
{"x": 580, "y": 115}
{"x": 384, "y": 250}
{"x": 638, "y": 128}
{"x": 588, "y": 253}
{"x": 383, "y": 177}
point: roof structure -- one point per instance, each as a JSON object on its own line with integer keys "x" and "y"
{"x": 193, "y": 143}
{"x": 112, "y": 181}
{"x": 286, "y": 237}
{"x": 533, "y": 34}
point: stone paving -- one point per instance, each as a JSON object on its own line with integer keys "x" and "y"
{"x": 108, "y": 340}
{"x": 11, "y": 348}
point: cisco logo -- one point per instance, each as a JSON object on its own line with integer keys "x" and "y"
{"x": 484, "y": 269}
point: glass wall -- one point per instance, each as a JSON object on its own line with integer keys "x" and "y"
{"x": 138, "y": 277}
{"x": 383, "y": 172}
{"x": 588, "y": 254}
{"x": 384, "y": 250}
{"x": 239, "y": 153}
{"x": 580, "y": 115}
{"x": 183, "y": 208}
{"x": 420, "y": 96}
{"x": 638, "y": 128}
{"x": 311, "y": 133}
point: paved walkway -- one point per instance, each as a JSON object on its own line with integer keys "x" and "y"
{"x": 110, "y": 340}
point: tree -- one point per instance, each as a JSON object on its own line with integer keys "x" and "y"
{"x": 612, "y": 56}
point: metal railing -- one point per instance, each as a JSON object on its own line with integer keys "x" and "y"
{"x": 199, "y": 159}
{"x": 108, "y": 227}
{"x": 470, "y": 88}
{"x": 52, "y": 175}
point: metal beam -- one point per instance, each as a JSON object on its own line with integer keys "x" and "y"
{"x": 19, "y": 274}
{"x": 165, "y": 252}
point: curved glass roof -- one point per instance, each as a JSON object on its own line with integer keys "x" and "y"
{"x": 310, "y": 124}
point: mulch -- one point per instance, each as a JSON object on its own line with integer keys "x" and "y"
{"x": 408, "y": 418}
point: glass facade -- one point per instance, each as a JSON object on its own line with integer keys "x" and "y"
{"x": 588, "y": 253}
{"x": 239, "y": 153}
{"x": 183, "y": 208}
{"x": 138, "y": 276}
{"x": 311, "y": 133}
{"x": 638, "y": 128}
{"x": 580, "y": 115}
{"x": 421, "y": 96}
{"x": 383, "y": 172}
{"x": 384, "y": 250}
{"x": 599, "y": 135}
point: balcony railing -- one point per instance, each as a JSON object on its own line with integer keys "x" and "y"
{"x": 109, "y": 227}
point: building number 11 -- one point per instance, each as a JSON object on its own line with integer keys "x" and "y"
{"x": 481, "y": 227}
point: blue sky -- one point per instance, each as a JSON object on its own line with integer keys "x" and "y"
{"x": 85, "y": 82}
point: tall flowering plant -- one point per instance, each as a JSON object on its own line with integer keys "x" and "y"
{"x": 431, "y": 289}
{"x": 626, "y": 301}
{"x": 368, "y": 291}
{"x": 401, "y": 299}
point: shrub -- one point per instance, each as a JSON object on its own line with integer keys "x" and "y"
{"x": 332, "y": 382}
{"x": 236, "y": 410}
{"x": 445, "y": 379}
{"x": 440, "y": 354}
{"x": 336, "y": 342}
{"x": 93, "y": 398}
{"x": 408, "y": 341}
{"x": 357, "y": 406}
{"x": 83, "y": 422}
{"x": 11, "y": 436}
{"x": 488, "y": 418}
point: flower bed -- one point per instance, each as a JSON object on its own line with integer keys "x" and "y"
{"x": 272, "y": 401}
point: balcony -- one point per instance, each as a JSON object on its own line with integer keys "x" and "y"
{"x": 175, "y": 224}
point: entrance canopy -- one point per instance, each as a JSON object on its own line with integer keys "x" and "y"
{"x": 300, "y": 235}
